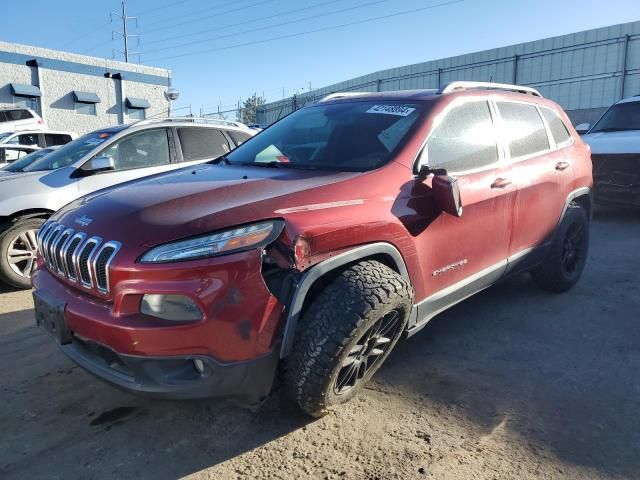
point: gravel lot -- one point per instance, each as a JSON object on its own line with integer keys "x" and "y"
{"x": 514, "y": 383}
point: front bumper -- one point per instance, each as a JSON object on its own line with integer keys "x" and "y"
{"x": 176, "y": 378}
{"x": 237, "y": 340}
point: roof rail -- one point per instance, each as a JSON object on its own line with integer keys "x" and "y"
{"x": 204, "y": 120}
{"x": 335, "y": 96}
{"x": 464, "y": 85}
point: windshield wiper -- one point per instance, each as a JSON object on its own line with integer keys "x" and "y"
{"x": 271, "y": 164}
{"x": 613, "y": 129}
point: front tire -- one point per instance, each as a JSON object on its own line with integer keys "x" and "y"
{"x": 18, "y": 250}
{"x": 345, "y": 336}
{"x": 565, "y": 262}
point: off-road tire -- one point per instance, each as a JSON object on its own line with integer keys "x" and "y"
{"x": 7, "y": 238}
{"x": 351, "y": 306}
{"x": 552, "y": 275}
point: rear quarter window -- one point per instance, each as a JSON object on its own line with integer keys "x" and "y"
{"x": 55, "y": 139}
{"x": 238, "y": 137}
{"x": 559, "y": 130}
{"x": 523, "y": 128}
{"x": 202, "y": 143}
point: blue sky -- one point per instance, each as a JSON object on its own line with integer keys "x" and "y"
{"x": 199, "y": 39}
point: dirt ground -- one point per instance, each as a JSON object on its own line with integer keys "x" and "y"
{"x": 514, "y": 383}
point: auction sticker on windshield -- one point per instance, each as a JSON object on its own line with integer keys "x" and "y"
{"x": 399, "y": 110}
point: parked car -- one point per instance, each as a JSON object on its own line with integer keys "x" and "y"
{"x": 95, "y": 161}
{"x": 11, "y": 153}
{"x": 615, "y": 152}
{"x": 17, "y": 166}
{"x": 16, "y": 118}
{"x": 35, "y": 138}
{"x": 315, "y": 246}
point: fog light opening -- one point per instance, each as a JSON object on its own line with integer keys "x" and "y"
{"x": 199, "y": 366}
{"x": 175, "y": 308}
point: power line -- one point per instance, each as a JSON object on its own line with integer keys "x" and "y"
{"x": 190, "y": 14}
{"x": 162, "y": 7}
{"x": 288, "y": 22}
{"x": 84, "y": 35}
{"x": 309, "y": 32}
{"x": 209, "y": 30}
{"x": 96, "y": 46}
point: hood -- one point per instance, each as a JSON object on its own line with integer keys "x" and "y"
{"x": 193, "y": 201}
{"x": 613, "y": 142}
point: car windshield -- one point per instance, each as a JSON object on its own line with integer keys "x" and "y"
{"x": 20, "y": 165}
{"x": 351, "y": 136}
{"x": 71, "y": 152}
{"x": 622, "y": 116}
{"x": 5, "y": 135}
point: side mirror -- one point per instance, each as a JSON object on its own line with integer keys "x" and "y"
{"x": 446, "y": 192}
{"x": 583, "y": 128}
{"x": 100, "y": 164}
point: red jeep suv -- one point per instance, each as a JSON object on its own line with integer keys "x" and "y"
{"x": 312, "y": 248}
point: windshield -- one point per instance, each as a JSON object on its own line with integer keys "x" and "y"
{"x": 5, "y": 135}
{"x": 354, "y": 136}
{"x": 622, "y": 116}
{"x": 20, "y": 165}
{"x": 70, "y": 153}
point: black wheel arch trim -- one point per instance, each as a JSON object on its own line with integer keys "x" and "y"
{"x": 578, "y": 193}
{"x": 304, "y": 284}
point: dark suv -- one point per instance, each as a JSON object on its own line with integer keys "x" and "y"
{"x": 312, "y": 248}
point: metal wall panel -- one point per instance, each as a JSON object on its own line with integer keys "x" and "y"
{"x": 582, "y": 71}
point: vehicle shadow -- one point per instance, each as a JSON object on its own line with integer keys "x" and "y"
{"x": 558, "y": 373}
{"x": 57, "y": 420}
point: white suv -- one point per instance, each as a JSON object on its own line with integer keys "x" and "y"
{"x": 37, "y": 138}
{"x": 615, "y": 153}
{"x": 18, "y": 118}
{"x": 98, "y": 160}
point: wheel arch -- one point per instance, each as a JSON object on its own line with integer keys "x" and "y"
{"x": 314, "y": 279}
{"x": 582, "y": 196}
{"x": 6, "y": 222}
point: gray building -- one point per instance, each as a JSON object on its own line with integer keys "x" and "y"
{"x": 585, "y": 72}
{"x": 80, "y": 93}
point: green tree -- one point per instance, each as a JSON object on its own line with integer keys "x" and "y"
{"x": 247, "y": 113}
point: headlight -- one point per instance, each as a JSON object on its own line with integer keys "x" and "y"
{"x": 220, "y": 243}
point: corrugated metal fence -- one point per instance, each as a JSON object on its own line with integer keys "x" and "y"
{"x": 585, "y": 72}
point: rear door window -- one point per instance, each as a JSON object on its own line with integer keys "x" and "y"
{"x": 559, "y": 130}
{"x": 55, "y": 139}
{"x": 523, "y": 128}
{"x": 202, "y": 143}
{"x": 238, "y": 137}
{"x": 464, "y": 140}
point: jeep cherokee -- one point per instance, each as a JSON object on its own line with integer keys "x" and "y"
{"x": 312, "y": 248}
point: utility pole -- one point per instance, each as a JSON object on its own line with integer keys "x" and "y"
{"x": 125, "y": 32}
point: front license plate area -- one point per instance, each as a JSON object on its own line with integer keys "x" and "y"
{"x": 50, "y": 316}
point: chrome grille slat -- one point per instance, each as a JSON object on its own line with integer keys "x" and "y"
{"x": 71, "y": 255}
{"x": 75, "y": 242}
{"x": 85, "y": 257}
{"x": 101, "y": 263}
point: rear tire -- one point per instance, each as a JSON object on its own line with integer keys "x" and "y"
{"x": 18, "y": 251}
{"x": 565, "y": 262}
{"x": 345, "y": 336}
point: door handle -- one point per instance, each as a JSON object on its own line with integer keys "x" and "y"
{"x": 562, "y": 165}
{"x": 501, "y": 183}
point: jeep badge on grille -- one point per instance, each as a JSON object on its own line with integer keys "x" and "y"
{"x": 84, "y": 220}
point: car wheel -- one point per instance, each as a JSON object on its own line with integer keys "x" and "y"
{"x": 18, "y": 250}
{"x": 345, "y": 335}
{"x": 566, "y": 260}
